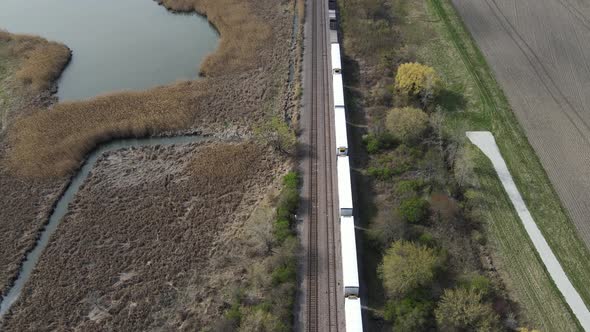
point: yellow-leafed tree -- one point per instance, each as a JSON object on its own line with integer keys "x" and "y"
{"x": 417, "y": 80}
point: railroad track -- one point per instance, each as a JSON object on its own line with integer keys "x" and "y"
{"x": 322, "y": 291}
{"x": 312, "y": 270}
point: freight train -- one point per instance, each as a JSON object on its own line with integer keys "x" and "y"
{"x": 350, "y": 275}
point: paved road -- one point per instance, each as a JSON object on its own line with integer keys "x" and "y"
{"x": 486, "y": 142}
{"x": 322, "y": 299}
{"x": 540, "y": 53}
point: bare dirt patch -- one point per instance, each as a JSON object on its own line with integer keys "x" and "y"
{"x": 160, "y": 253}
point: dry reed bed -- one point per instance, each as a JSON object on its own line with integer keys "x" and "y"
{"x": 41, "y": 62}
{"x": 54, "y": 143}
{"x": 165, "y": 252}
{"x": 243, "y": 33}
{"x": 22, "y": 206}
{"x": 31, "y": 65}
{"x": 44, "y": 146}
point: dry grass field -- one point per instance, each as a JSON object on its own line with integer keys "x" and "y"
{"x": 539, "y": 51}
{"x": 246, "y": 81}
{"x": 157, "y": 239}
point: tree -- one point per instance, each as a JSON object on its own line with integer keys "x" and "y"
{"x": 417, "y": 80}
{"x": 277, "y": 133}
{"x": 463, "y": 310}
{"x": 406, "y": 124}
{"x": 407, "y": 266}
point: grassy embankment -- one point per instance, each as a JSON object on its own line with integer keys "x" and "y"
{"x": 48, "y": 144}
{"x": 430, "y": 32}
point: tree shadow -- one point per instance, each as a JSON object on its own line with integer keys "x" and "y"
{"x": 451, "y": 101}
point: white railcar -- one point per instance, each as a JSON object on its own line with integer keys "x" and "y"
{"x": 353, "y": 315}
{"x": 341, "y": 133}
{"x": 350, "y": 273}
{"x": 338, "y": 92}
{"x": 336, "y": 62}
{"x": 344, "y": 186}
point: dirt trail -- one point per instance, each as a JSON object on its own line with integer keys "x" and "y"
{"x": 539, "y": 51}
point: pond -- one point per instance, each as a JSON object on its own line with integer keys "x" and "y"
{"x": 117, "y": 45}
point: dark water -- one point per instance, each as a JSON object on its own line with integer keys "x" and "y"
{"x": 117, "y": 45}
{"x": 62, "y": 206}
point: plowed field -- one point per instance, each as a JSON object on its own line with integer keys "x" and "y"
{"x": 539, "y": 51}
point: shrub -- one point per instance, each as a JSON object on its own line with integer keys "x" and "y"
{"x": 417, "y": 80}
{"x": 291, "y": 180}
{"x": 414, "y": 210}
{"x": 427, "y": 239}
{"x": 381, "y": 173}
{"x": 479, "y": 284}
{"x": 408, "y": 314}
{"x": 261, "y": 320}
{"x": 478, "y": 237}
{"x": 409, "y": 186}
{"x": 406, "y": 124}
{"x": 463, "y": 310}
{"x": 407, "y": 266}
{"x": 282, "y": 230}
{"x": 375, "y": 143}
{"x": 277, "y": 133}
{"x": 234, "y": 313}
{"x": 371, "y": 143}
{"x": 284, "y": 273}
{"x": 288, "y": 201}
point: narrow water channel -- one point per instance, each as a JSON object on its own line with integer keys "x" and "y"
{"x": 116, "y": 44}
{"x": 62, "y": 206}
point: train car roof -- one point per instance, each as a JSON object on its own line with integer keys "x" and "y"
{"x": 350, "y": 272}
{"x": 344, "y": 184}
{"x": 340, "y": 123}
{"x": 335, "y": 51}
{"x": 338, "y": 87}
{"x": 353, "y": 315}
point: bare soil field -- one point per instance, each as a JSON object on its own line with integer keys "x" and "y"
{"x": 246, "y": 81}
{"x": 539, "y": 51}
{"x": 154, "y": 240}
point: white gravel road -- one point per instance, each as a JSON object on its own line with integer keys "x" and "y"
{"x": 486, "y": 142}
